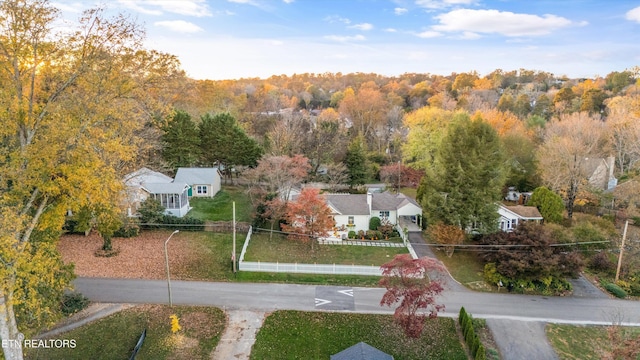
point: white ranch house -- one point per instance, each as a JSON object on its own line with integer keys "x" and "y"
{"x": 512, "y": 216}
{"x": 354, "y": 211}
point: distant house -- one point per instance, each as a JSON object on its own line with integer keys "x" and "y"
{"x": 599, "y": 172}
{"x": 355, "y": 210}
{"x": 203, "y": 182}
{"x": 144, "y": 183}
{"x": 517, "y": 196}
{"x": 512, "y": 216}
{"x": 361, "y": 351}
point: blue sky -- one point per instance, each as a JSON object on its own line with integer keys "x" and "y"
{"x": 229, "y": 39}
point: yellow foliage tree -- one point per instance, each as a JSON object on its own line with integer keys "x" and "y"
{"x": 71, "y": 106}
{"x": 175, "y": 323}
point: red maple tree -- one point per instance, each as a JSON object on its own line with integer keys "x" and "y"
{"x": 407, "y": 282}
{"x": 308, "y": 217}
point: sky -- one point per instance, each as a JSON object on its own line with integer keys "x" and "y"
{"x": 231, "y": 39}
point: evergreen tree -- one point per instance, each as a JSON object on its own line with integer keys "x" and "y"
{"x": 356, "y": 162}
{"x": 181, "y": 141}
{"x": 549, "y": 203}
{"x": 224, "y": 142}
{"x": 466, "y": 180}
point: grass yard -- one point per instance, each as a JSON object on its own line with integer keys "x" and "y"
{"x": 114, "y": 337}
{"x": 220, "y": 208}
{"x": 318, "y": 335}
{"x": 281, "y": 249}
{"x": 582, "y": 342}
{"x": 466, "y": 267}
{"x": 210, "y": 260}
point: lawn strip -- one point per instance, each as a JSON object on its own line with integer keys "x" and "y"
{"x": 582, "y": 342}
{"x": 318, "y": 335}
{"x": 220, "y": 207}
{"x": 115, "y": 336}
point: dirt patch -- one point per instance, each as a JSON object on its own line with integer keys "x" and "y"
{"x": 141, "y": 257}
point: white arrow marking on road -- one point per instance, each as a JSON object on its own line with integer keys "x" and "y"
{"x": 320, "y": 302}
{"x": 346, "y": 292}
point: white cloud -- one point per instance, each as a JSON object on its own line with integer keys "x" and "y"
{"x": 400, "y": 11}
{"x": 443, "y": 4}
{"x": 288, "y": 1}
{"x": 363, "y": 26}
{"x": 429, "y": 34}
{"x": 633, "y": 14}
{"x": 499, "y": 22}
{"x": 468, "y": 35}
{"x": 180, "y": 26}
{"x": 335, "y": 18}
{"x": 69, "y": 7}
{"x": 391, "y": 30}
{"x": 275, "y": 42}
{"x": 198, "y": 8}
{"x": 340, "y": 38}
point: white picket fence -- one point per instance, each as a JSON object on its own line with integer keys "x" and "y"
{"x": 310, "y": 268}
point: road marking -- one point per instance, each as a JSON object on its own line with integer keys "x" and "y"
{"x": 320, "y": 302}
{"x": 348, "y": 292}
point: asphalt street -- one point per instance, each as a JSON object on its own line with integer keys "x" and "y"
{"x": 269, "y": 297}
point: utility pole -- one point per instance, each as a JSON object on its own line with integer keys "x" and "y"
{"x": 233, "y": 254}
{"x": 624, "y": 236}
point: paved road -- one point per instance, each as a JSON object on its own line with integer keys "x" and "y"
{"x": 269, "y": 297}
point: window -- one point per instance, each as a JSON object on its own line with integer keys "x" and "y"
{"x": 514, "y": 222}
{"x": 384, "y": 214}
{"x": 351, "y": 220}
{"x": 201, "y": 189}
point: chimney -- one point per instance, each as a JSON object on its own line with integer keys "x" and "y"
{"x": 369, "y": 200}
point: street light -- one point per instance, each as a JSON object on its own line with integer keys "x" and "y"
{"x": 166, "y": 258}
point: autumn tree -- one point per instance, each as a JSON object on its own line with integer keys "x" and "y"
{"x": 569, "y": 143}
{"x": 399, "y": 176}
{"x": 308, "y": 217}
{"x": 408, "y": 282}
{"x": 525, "y": 256}
{"x": 448, "y": 235}
{"x": 68, "y": 109}
{"x": 426, "y": 127}
{"x": 181, "y": 141}
{"x": 548, "y": 203}
{"x": 467, "y": 178}
{"x": 623, "y": 131}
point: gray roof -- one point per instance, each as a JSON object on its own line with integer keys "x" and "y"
{"x": 145, "y": 175}
{"x": 361, "y": 351}
{"x": 197, "y": 175}
{"x": 165, "y": 188}
{"x": 348, "y": 204}
{"x": 389, "y": 201}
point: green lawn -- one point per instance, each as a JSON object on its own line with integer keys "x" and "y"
{"x": 210, "y": 260}
{"x": 220, "y": 208}
{"x": 464, "y": 266}
{"x": 582, "y": 342}
{"x": 318, "y": 335}
{"x": 281, "y": 249}
{"x": 114, "y": 337}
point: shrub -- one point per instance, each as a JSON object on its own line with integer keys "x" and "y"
{"x": 360, "y": 234}
{"x": 616, "y": 290}
{"x": 73, "y": 302}
{"x": 185, "y": 223}
{"x": 601, "y": 262}
{"x": 128, "y": 229}
{"x": 351, "y": 234}
{"x": 374, "y": 223}
{"x": 587, "y": 232}
{"x": 151, "y": 211}
{"x": 481, "y": 353}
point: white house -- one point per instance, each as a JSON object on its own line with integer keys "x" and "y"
{"x": 145, "y": 182}
{"x": 355, "y": 210}
{"x": 203, "y": 182}
{"x": 511, "y": 216}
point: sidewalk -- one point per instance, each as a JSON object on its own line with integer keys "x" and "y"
{"x": 239, "y": 335}
{"x": 93, "y": 312}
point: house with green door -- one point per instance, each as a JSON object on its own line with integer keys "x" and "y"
{"x": 203, "y": 182}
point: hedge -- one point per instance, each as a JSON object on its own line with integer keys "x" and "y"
{"x": 616, "y": 290}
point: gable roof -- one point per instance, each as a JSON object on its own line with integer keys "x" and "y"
{"x": 389, "y": 201}
{"x": 348, "y": 204}
{"x": 361, "y": 351}
{"x": 165, "y": 188}
{"x": 525, "y": 212}
{"x": 145, "y": 175}
{"x": 197, "y": 175}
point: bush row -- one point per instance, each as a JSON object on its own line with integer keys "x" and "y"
{"x": 616, "y": 290}
{"x": 470, "y": 337}
{"x": 371, "y": 235}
